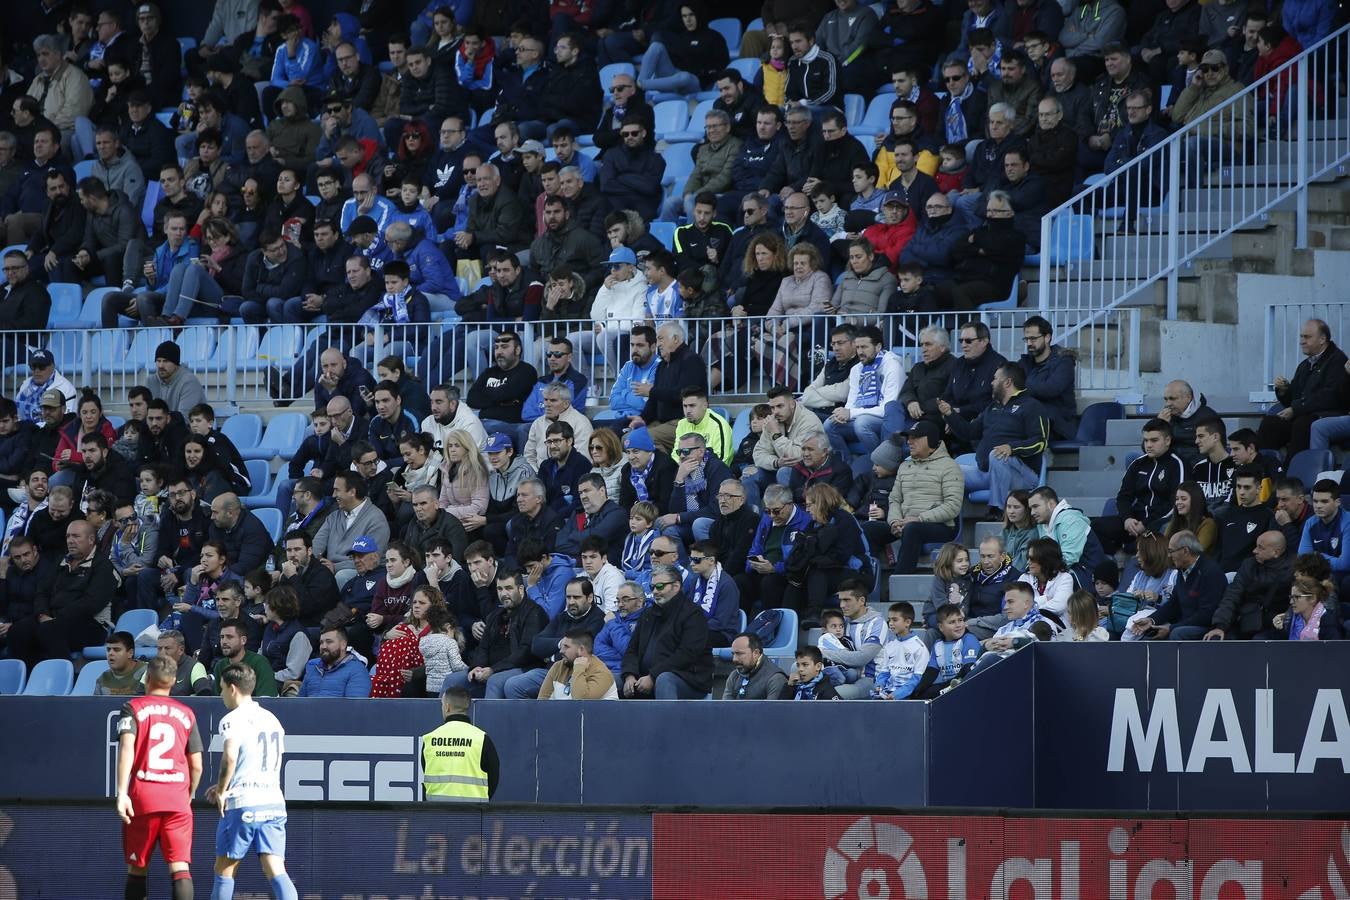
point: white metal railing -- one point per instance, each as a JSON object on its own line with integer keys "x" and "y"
{"x": 1221, "y": 172}
{"x": 1282, "y": 325}
{"x": 245, "y": 364}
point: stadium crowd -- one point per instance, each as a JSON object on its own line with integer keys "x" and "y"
{"x": 513, "y": 540}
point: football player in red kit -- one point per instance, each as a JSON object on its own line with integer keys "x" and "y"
{"x": 159, "y": 763}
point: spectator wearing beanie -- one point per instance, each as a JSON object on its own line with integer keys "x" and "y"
{"x": 174, "y": 384}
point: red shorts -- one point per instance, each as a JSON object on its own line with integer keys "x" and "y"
{"x": 171, "y": 830}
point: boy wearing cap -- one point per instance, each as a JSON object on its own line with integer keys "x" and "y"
{"x": 43, "y": 378}
{"x": 174, "y": 384}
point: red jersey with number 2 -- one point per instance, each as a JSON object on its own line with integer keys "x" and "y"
{"x": 166, "y": 732}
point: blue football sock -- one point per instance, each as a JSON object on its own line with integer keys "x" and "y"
{"x": 283, "y": 888}
{"x": 223, "y": 888}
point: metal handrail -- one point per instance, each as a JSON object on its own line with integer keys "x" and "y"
{"x": 1324, "y": 62}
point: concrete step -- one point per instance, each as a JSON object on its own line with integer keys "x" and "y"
{"x": 1081, "y": 483}
{"x": 1266, "y": 171}
{"x": 1154, "y": 246}
{"x": 1194, "y": 223}
{"x": 909, "y": 587}
{"x": 1222, "y": 201}
{"x": 1110, "y": 458}
{"x": 1124, "y": 432}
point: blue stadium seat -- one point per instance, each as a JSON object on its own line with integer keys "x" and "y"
{"x": 725, "y": 652}
{"x": 1010, "y": 303}
{"x": 279, "y": 346}
{"x": 258, "y": 475}
{"x": 784, "y": 643}
{"x": 608, "y": 72}
{"x": 855, "y": 105}
{"x": 83, "y": 169}
{"x": 877, "y": 118}
{"x": 1070, "y": 240}
{"x": 259, "y": 87}
{"x": 165, "y": 117}
{"x": 1308, "y": 464}
{"x": 50, "y": 678}
{"x": 730, "y": 29}
{"x": 152, "y": 194}
{"x": 749, "y": 68}
{"x": 1092, "y": 426}
{"x": 741, "y": 427}
{"x": 271, "y": 518}
{"x": 106, "y": 348}
{"x": 246, "y": 350}
{"x": 663, "y": 232}
{"x": 930, "y": 549}
{"x": 141, "y": 356}
{"x": 66, "y": 302}
{"x": 116, "y": 422}
{"x": 282, "y": 438}
{"x": 694, "y": 130}
{"x": 679, "y": 163}
{"x": 196, "y": 342}
{"x": 133, "y": 621}
{"x": 13, "y": 674}
{"x": 244, "y": 430}
{"x": 91, "y": 311}
{"x": 670, "y": 116}
{"x": 88, "y": 677}
{"x": 1109, "y": 508}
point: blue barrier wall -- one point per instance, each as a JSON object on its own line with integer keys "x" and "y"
{"x": 749, "y": 753}
{"x": 1210, "y": 726}
{"x": 1204, "y": 726}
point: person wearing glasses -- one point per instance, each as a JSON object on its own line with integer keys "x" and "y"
{"x": 781, "y": 524}
{"x": 667, "y": 657}
{"x": 24, "y": 305}
{"x": 963, "y": 112}
{"x": 1188, "y": 613}
{"x": 612, "y": 641}
{"x": 627, "y": 105}
{"x": 558, "y": 406}
{"x": 1308, "y": 617}
{"x": 631, "y": 174}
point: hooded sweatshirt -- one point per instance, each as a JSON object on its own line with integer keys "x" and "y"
{"x": 295, "y": 137}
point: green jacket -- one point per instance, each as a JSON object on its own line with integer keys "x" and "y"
{"x": 932, "y": 489}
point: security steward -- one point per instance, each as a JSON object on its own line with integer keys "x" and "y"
{"x": 459, "y": 762}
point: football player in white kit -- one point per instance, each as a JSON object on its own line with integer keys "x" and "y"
{"x": 248, "y": 791}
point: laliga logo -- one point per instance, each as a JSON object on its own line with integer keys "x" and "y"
{"x": 890, "y": 852}
{"x": 1335, "y": 882}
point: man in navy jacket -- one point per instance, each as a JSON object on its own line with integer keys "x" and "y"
{"x": 1187, "y": 614}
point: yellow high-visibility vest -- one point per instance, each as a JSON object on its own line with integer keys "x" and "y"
{"x": 452, "y": 767}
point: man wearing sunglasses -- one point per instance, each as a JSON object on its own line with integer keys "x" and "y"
{"x": 668, "y": 658}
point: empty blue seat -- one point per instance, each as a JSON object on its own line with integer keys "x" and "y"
{"x": 282, "y": 438}
{"x": 877, "y": 118}
{"x": 141, "y": 356}
{"x": 91, "y": 311}
{"x": 694, "y": 129}
{"x": 13, "y": 675}
{"x": 243, "y": 430}
{"x": 83, "y": 169}
{"x": 1092, "y": 426}
{"x": 152, "y": 194}
{"x": 238, "y": 344}
{"x": 784, "y": 643}
{"x": 258, "y": 475}
{"x": 1308, "y": 464}
{"x": 279, "y": 346}
{"x": 271, "y": 518}
{"x": 88, "y": 678}
{"x": 196, "y": 342}
{"x": 50, "y": 678}
{"x": 66, "y": 301}
{"x": 1009, "y": 303}
{"x": 1070, "y": 239}
{"x": 107, "y": 349}
{"x": 740, "y": 429}
{"x": 133, "y": 622}
{"x": 855, "y": 106}
{"x": 749, "y": 68}
{"x": 730, "y": 30}
{"x": 679, "y": 163}
{"x": 663, "y": 232}
{"x": 670, "y": 116}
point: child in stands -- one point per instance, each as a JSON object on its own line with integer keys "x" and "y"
{"x": 903, "y": 659}
{"x": 953, "y": 656}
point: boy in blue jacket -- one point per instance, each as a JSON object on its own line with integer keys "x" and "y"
{"x": 953, "y": 657}
{"x": 903, "y": 659}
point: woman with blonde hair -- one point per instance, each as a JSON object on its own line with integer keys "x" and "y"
{"x": 1308, "y": 618}
{"x": 1083, "y": 620}
{"x": 464, "y": 482}
{"x": 832, "y": 549}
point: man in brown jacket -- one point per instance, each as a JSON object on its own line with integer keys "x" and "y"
{"x": 578, "y": 675}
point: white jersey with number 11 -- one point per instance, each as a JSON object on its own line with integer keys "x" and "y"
{"x": 256, "y": 781}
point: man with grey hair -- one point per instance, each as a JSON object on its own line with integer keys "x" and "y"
{"x": 1074, "y": 99}
{"x": 680, "y": 368}
{"x": 928, "y": 378}
{"x": 431, "y": 523}
{"x": 668, "y": 657}
{"x": 988, "y": 260}
{"x": 366, "y": 201}
{"x": 1183, "y": 411}
{"x": 428, "y": 269}
{"x": 192, "y": 677}
{"x": 557, "y": 407}
{"x": 534, "y": 520}
{"x": 497, "y": 218}
{"x": 986, "y": 167}
{"x": 587, "y": 206}
{"x": 1189, "y": 612}
{"x": 1053, "y": 146}
{"x": 713, "y": 160}
{"x": 819, "y": 464}
{"x": 780, "y": 526}
{"x": 61, "y": 88}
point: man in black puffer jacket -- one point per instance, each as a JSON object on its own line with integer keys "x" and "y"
{"x": 668, "y": 657}
{"x": 967, "y": 390}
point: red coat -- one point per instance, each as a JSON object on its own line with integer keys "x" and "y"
{"x": 70, "y": 440}
{"x": 396, "y": 654}
{"x": 890, "y": 240}
{"x": 1276, "y": 93}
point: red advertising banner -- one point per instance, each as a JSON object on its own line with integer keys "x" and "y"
{"x": 860, "y": 857}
